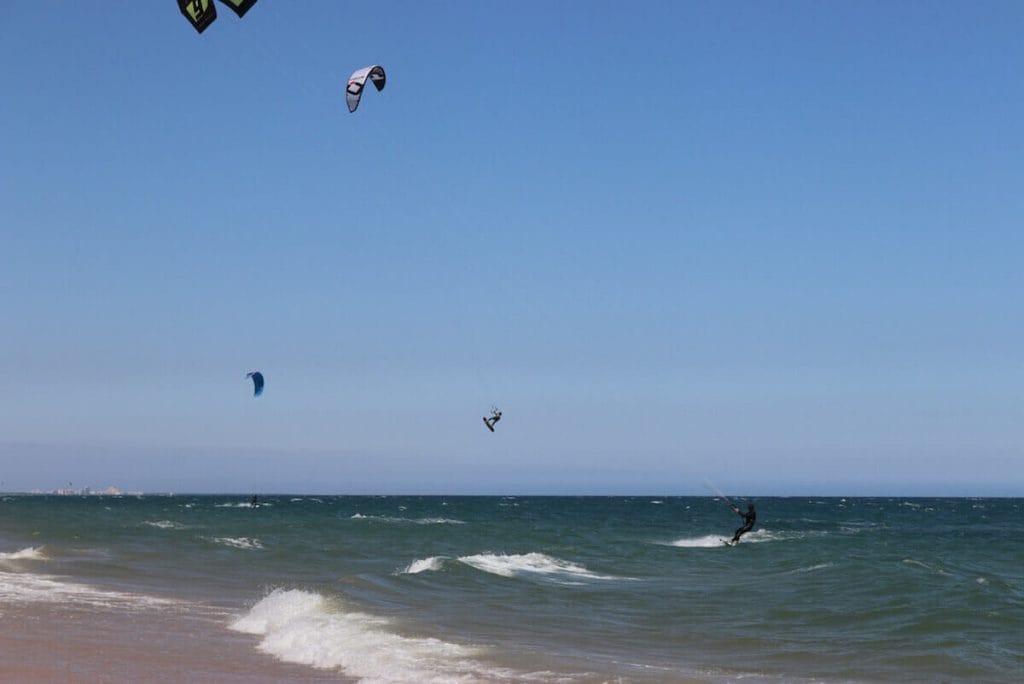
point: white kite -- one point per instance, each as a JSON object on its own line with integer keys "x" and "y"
{"x": 358, "y": 79}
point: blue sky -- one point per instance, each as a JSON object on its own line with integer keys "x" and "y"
{"x": 773, "y": 245}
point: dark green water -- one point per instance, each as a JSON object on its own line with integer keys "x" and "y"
{"x": 555, "y": 588}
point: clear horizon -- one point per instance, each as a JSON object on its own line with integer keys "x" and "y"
{"x": 741, "y": 497}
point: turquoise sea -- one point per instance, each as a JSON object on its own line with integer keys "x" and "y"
{"x": 539, "y": 589}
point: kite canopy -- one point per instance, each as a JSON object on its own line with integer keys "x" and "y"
{"x": 257, "y": 382}
{"x": 240, "y": 6}
{"x": 201, "y": 13}
{"x": 357, "y": 80}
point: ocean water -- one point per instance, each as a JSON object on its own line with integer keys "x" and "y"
{"x": 540, "y": 589}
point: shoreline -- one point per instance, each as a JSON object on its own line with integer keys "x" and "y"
{"x": 60, "y": 643}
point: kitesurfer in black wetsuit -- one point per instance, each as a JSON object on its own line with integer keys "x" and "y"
{"x": 254, "y": 503}
{"x": 749, "y": 518}
{"x": 495, "y": 417}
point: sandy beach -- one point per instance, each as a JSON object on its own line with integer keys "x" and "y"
{"x": 48, "y": 643}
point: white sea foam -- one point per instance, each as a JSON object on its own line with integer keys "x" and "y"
{"x": 537, "y": 565}
{"x": 809, "y": 568}
{"x": 761, "y": 536}
{"x": 657, "y": 502}
{"x": 714, "y": 540}
{"x": 20, "y": 587}
{"x": 705, "y": 542}
{"x": 433, "y": 563}
{"x": 303, "y": 627}
{"x": 938, "y": 571}
{"x": 165, "y": 524}
{"x": 238, "y": 542}
{"x": 29, "y": 553}
{"x": 414, "y": 521}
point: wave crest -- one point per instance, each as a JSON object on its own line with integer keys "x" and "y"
{"x": 414, "y": 521}
{"x": 165, "y": 524}
{"x": 535, "y": 565}
{"x": 238, "y": 542}
{"x": 431, "y": 564}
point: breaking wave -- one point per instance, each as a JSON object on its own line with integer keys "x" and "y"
{"x": 303, "y": 627}
{"x": 30, "y": 553}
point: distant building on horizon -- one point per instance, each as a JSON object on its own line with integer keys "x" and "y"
{"x": 112, "y": 490}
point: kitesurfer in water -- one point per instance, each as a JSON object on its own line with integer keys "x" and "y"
{"x": 749, "y": 518}
{"x": 254, "y": 503}
{"x": 495, "y": 417}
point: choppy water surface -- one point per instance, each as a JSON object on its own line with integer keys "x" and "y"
{"x": 551, "y": 588}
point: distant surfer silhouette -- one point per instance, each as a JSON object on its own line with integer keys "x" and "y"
{"x": 254, "y": 503}
{"x": 749, "y": 518}
{"x": 495, "y": 417}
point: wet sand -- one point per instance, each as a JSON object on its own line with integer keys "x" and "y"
{"x": 47, "y": 643}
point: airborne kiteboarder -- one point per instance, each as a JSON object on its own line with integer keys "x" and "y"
{"x": 495, "y": 417}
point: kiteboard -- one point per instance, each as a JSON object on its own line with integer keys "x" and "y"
{"x": 727, "y": 542}
{"x": 489, "y": 426}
